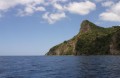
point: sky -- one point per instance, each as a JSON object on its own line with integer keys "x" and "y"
{"x": 32, "y": 27}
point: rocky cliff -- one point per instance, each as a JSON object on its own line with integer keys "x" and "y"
{"x": 91, "y": 40}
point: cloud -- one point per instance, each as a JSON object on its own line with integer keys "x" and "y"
{"x": 6, "y": 4}
{"x": 40, "y": 9}
{"x": 81, "y": 8}
{"x": 29, "y": 10}
{"x": 29, "y": 6}
{"x": 58, "y": 6}
{"x": 52, "y": 10}
{"x": 112, "y": 13}
{"x": 53, "y": 17}
{"x": 76, "y": 7}
{"x": 107, "y": 3}
{"x": 54, "y": 1}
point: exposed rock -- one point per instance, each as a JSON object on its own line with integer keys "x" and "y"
{"x": 115, "y": 43}
{"x": 91, "y": 40}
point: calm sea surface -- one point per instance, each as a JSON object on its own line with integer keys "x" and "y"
{"x": 60, "y": 67}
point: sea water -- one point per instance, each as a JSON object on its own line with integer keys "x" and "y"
{"x": 60, "y": 66}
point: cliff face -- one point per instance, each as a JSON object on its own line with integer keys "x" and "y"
{"x": 91, "y": 40}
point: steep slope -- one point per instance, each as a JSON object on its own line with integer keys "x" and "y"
{"x": 91, "y": 40}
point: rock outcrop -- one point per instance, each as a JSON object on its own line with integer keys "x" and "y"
{"x": 91, "y": 40}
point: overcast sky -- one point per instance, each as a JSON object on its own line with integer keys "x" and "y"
{"x": 32, "y": 27}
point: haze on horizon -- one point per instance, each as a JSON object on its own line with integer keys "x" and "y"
{"x": 32, "y": 27}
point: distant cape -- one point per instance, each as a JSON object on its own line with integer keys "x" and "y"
{"x": 91, "y": 40}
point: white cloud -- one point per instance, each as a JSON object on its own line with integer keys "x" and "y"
{"x": 30, "y": 6}
{"x": 53, "y": 17}
{"x": 40, "y": 9}
{"x": 71, "y": 7}
{"x": 81, "y": 8}
{"x": 112, "y": 13}
{"x": 54, "y": 1}
{"x": 6, "y": 4}
{"x": 107, "y": 3}
{"x": 29, "y": 10}
{"x": 110, "y": 16}
{"x": 53, "y": 10}
{"x": 58, "y": 6}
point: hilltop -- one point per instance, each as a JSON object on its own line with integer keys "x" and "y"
{"x": 90, "y": 40}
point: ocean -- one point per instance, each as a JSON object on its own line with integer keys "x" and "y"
{"x": 99, "y": 66}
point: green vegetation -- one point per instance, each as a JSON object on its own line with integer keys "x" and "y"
{"x": 91, "y": 40}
